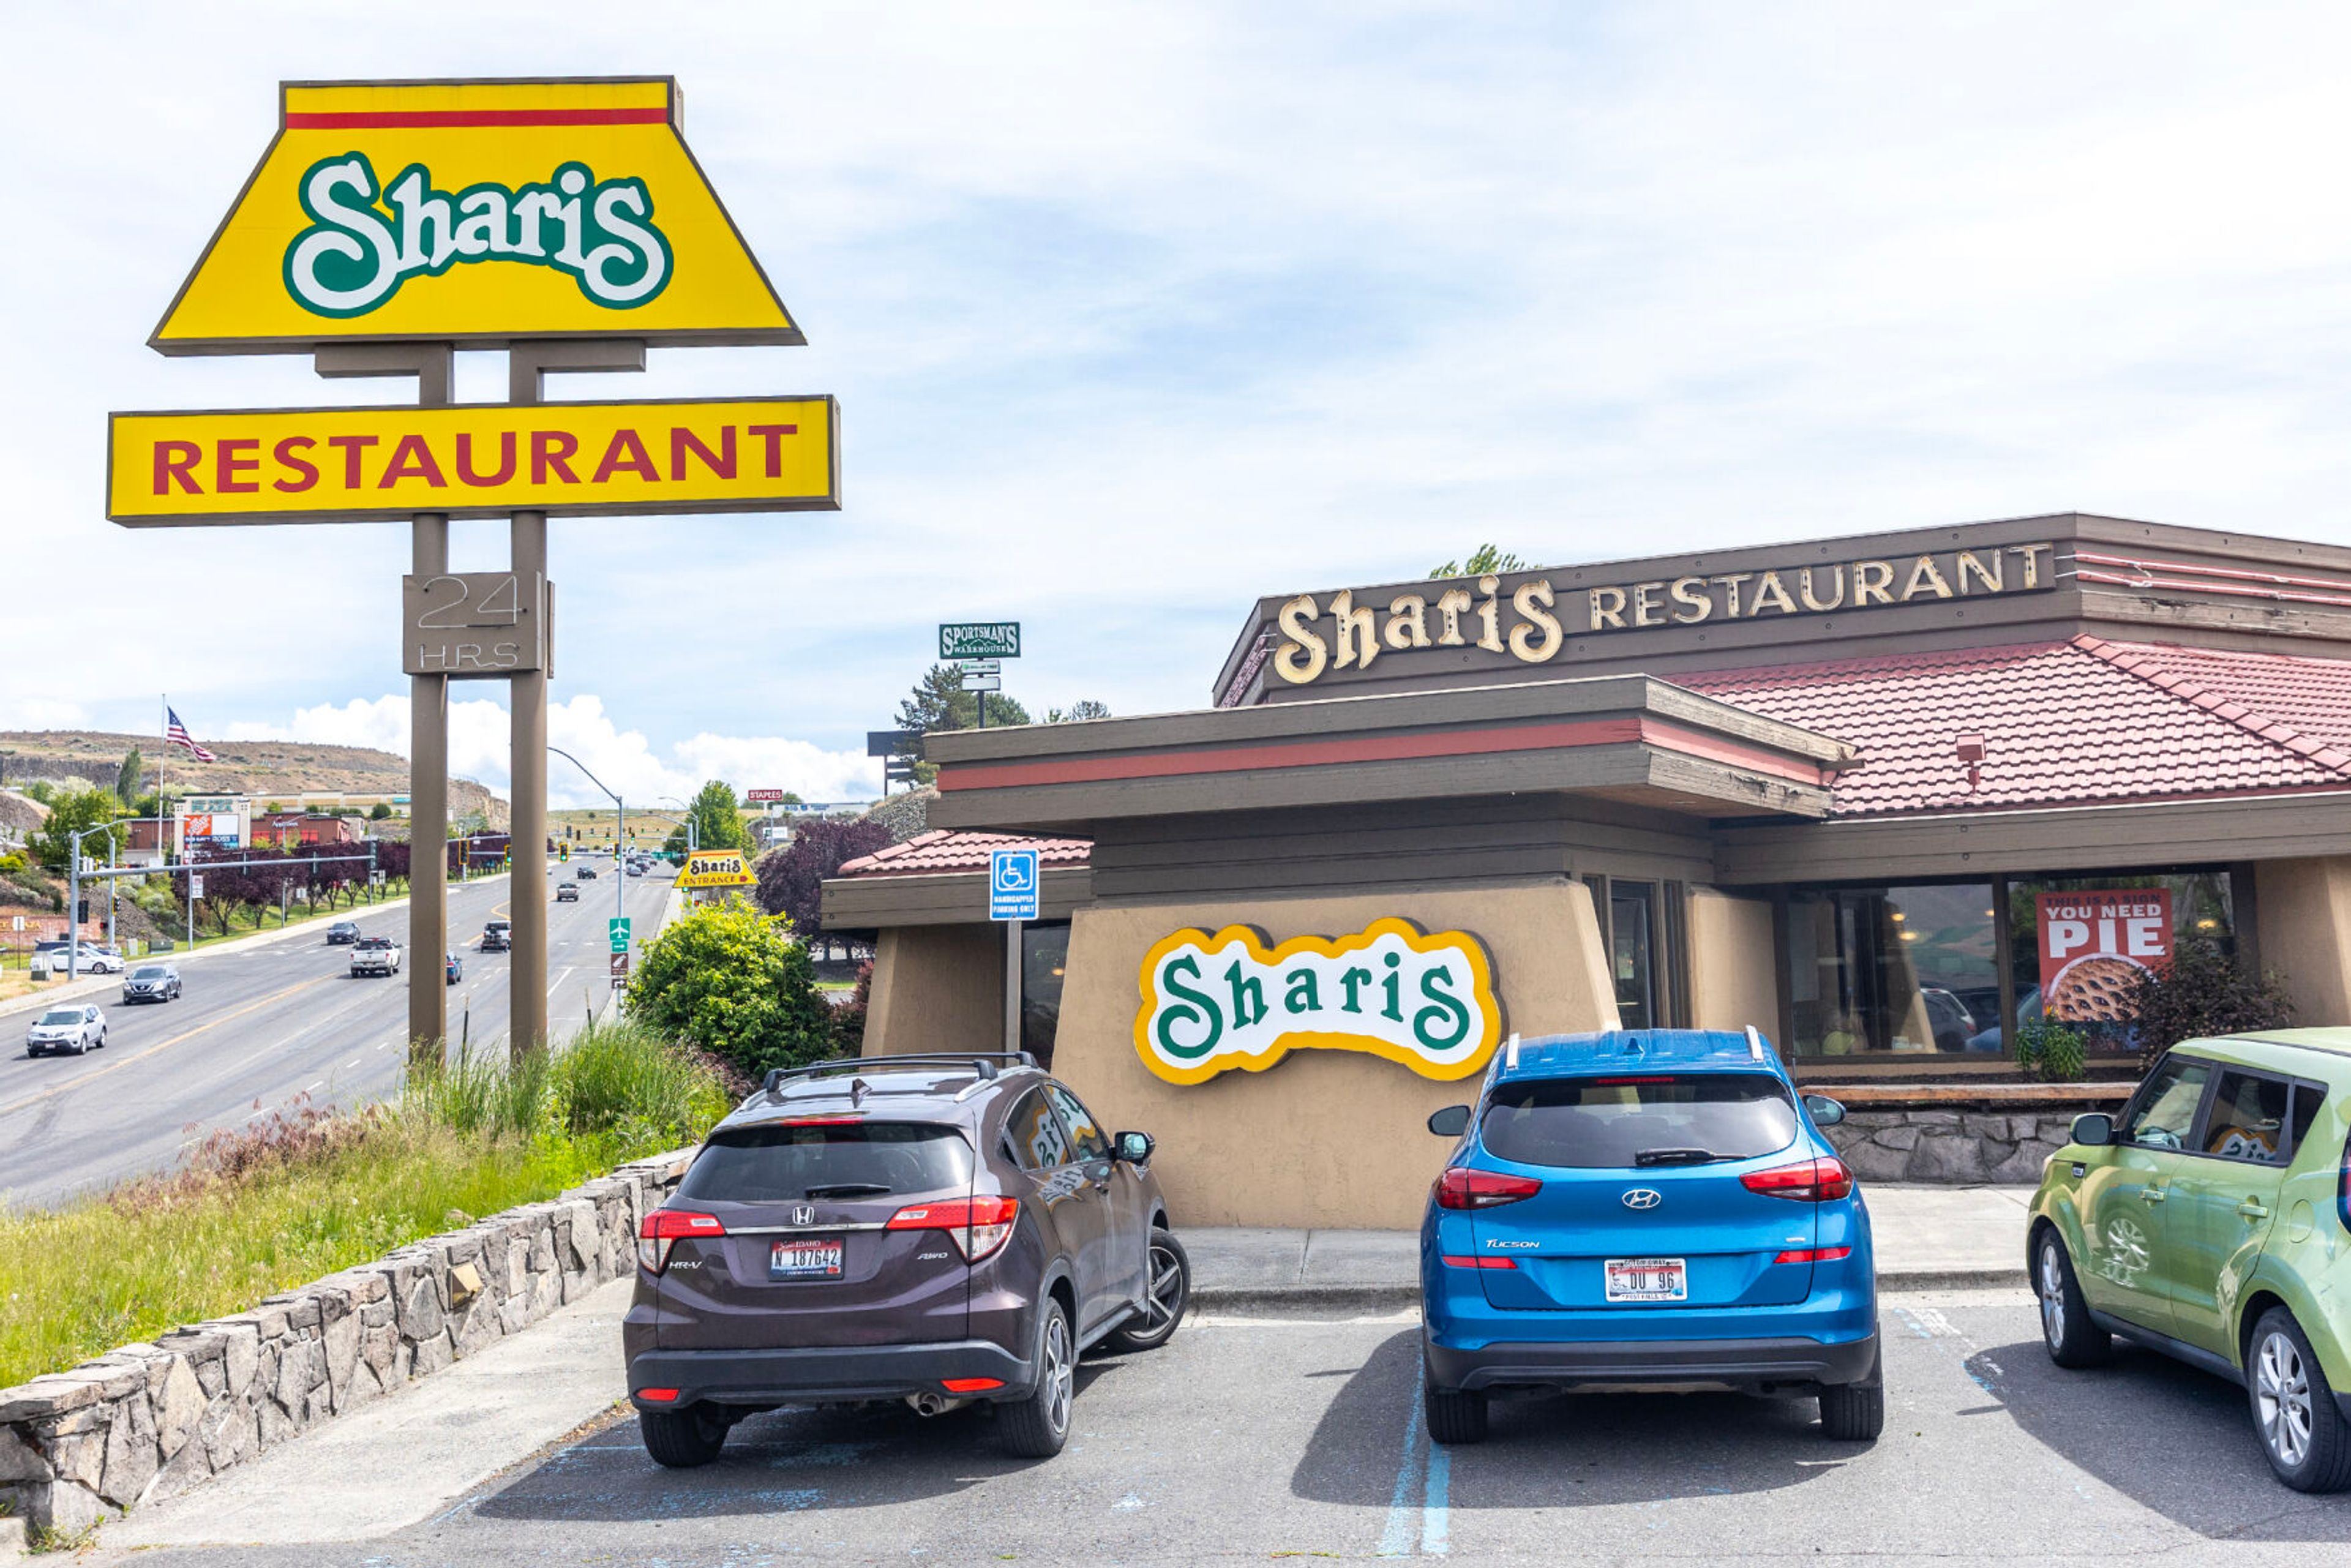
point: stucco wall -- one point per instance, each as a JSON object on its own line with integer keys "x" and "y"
{"x": 2302, "y": 919}
{"x": 936, "y": 988}
{"x": 1734, "y": 979}
{"x": 1324, "y": 1138}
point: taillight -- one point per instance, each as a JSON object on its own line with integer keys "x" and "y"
{"x": 661, "y": 1229}
{"x": 1813, "y": 1255}
{"x": 1452, "y": 1262}
{"x": 1462, "y": 1187}
{"x": 1807, "y": 1181}
{"x": 658, "y": 1395}
{"x": 978, "y": 1224}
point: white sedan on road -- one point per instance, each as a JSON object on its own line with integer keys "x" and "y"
{"x": 60, "y": 1029}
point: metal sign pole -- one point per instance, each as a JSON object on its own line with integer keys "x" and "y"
{"x": 1012, "y": 978}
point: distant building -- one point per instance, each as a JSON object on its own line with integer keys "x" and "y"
{"x": 304, "y": 829}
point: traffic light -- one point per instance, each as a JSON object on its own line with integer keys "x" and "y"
{"x": 563, "y": 852}
{"x": 81, "y": 913}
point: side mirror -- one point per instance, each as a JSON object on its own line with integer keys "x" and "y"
{"x": 2094, "y": 1129}
{"x": 1825, "y": 1112}
{"x": 1449, "y": 1123}
{"x": 1134, "y": 1148}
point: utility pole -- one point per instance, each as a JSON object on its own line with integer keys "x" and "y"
{"x": 73, "y": 904}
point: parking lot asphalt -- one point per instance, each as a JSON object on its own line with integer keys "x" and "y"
{"x": 262, "y": 1025}
{"x": 1265, "y": 1440}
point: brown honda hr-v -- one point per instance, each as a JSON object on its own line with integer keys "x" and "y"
{"x": 941, "y": 1229}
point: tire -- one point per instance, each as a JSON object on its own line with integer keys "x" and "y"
{"x": 2303, "y": 1433}
{"x": 1036, "y": 1428}
{"x": 1166, "y": 1290}
{"x": 1851, "y": 1413}
{"x": 682, "y": 1440}
{"x": 1455, "y": 1416}
{"x": 2071, "y": 1336}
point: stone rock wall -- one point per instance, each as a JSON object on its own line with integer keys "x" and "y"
{"x": 149, "y": 1421}
{"x": 1957, "y": 1147}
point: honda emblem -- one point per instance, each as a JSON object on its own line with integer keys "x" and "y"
{"x": 804, "y": 1214}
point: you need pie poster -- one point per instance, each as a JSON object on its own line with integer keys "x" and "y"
{"x": 2092, "y": 945}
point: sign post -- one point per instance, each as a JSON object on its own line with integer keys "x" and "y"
{"x": 1012, "y": 897}
{"x": 562, "y": 221}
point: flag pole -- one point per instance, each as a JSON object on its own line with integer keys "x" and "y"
{"x": 163, "y": 800}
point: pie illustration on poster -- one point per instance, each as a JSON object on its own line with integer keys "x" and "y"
{"x": 2094, "y": 944}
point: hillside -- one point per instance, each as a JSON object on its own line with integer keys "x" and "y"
{"x": 266, "y": 770}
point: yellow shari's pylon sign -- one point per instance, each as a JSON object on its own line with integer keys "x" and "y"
{"x": 474, "y": 213}
{"x": 342, "y": 465}
{"x": 716, "y": 868}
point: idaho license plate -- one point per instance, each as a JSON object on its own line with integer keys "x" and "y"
{"x": 1648, "y": 1280}
{"x": 806, "y": 1258}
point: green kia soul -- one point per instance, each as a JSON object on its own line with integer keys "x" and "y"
{"x": 2211, "y": 1220}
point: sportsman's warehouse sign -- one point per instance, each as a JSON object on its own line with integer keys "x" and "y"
{"x": 1532, "y": 621}
{"x": 1215, "y": 1004}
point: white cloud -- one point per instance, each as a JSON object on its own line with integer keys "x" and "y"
{"x": 480, "y": 748}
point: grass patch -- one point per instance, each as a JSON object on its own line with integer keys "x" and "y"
{"x": 303, "y": 1194}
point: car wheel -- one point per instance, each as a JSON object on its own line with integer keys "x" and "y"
{"x": 1166, "y": 1290}
{"x": 681, "y": 1440}
{"x": 2066, "y": 1327}
{"x": 2303, "y": 1432}
{"x": 1036, "y": 1426}
{"x": 1853, "y": 1413}
{"x": 1454, "y": 1415}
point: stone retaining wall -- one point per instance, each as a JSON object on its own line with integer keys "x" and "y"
{"x": 150, "y": 1421}
{"x": 1957, "y": 1147}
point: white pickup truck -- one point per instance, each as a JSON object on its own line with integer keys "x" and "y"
{"x": 375, "y": 956}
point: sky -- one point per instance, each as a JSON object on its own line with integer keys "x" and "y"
{"x": 1138, "y": 312}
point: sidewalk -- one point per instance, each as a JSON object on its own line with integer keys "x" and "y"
{"x": 1926, "y": 1237}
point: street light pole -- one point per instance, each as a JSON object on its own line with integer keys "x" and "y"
{"x": 621, "y": 821}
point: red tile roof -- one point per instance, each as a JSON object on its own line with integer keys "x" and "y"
{"x": 941, "y": 850}
{"x": 2077, "y": 723}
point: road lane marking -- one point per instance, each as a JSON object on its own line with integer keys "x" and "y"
{"x": 174, "y": 1040}
{"x": 355, "y": 1061}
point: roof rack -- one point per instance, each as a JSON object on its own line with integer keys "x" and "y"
{"x": 981, "y": 1062}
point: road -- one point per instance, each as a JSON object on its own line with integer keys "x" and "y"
{"x": 1253, "y": 1440}
{"x": 261, "y": 1025}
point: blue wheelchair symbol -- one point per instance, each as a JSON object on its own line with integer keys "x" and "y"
{"x": 1012, "y": 884}
{"x": 1015, "y": 871}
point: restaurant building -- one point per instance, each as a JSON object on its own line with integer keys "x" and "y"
{"x": 1882, "y": 797}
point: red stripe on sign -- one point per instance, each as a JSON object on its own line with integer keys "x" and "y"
{"x": 434, "y": 119}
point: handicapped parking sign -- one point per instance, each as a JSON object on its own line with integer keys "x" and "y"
{"x": 1012, "y": 884}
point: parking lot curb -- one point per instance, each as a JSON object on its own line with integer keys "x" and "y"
{"x": 1297, "y": 1300}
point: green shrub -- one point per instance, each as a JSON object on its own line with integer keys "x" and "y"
{"x": 2051, "y": 1050}
{"x": 729, "y": 980}
{"x": 2204, "y": 990}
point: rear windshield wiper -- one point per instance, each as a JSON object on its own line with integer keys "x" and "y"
{"x": 1678, "y": 1157}
{"x": 848, "y": 1189}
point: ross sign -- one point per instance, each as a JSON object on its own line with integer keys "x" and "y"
{"x": 1530, "y": 622}
{"x": 474, "y": 213}
{"x": 1212, "y": 1004}
{"x": 1012, "y": 884}
{"x": 347, "y": 465}
{"x": 470, "y": 625}
{"x": 764, "y": 797}
{"x": 2094, "y": 947}
{"x": 980, "y": 640}
{"x": 716, "y": 868}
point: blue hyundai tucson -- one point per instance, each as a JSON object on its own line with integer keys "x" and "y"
{"x": 1651, "y": 1209}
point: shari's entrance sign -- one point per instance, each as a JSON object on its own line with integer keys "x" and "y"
{"x": 1212, "y": 1004}
{"x": 1533, "y": 623}
{"x": 337, "y": 464}
{"x": 474, "y": 213}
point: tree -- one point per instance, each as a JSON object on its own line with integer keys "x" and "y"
{"x": 126, "y": 781}
{"x": 726, "y": 979}
{"x": 2203, "y": 990}
{"x": 717, "y": 821}
{"x": 381, "y": 812}
{"x": 1078, "y": 712}
{"x": 792, "y": 879}
{"x": 1482, "y": 560}
{"x": 848, "y": 1018}
{"x": 938, "y": 702}
{"x": 89, "y": 811}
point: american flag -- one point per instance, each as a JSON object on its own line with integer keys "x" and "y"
{"x": 176, "y": 734}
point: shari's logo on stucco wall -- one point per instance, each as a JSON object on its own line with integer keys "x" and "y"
{"x": 1212, "y": 1004}
{"x": 1532, "y": 621}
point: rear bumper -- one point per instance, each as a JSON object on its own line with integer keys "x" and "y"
{"x": 1751, "y": 1365}
{"x": 826, "y": 1374}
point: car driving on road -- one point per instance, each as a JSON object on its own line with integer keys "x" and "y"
{"x": 497, "y": 936}
{"x": 342, "y": 933}
{"x": 940, "y": 1229}
{"x": 455, "y": 967}
{"x": 151, "y": 983}
{"x": 2211, "y": 1220}
{"x": 567, "y": 893}
{"x": 1648, "y": 1210}
{"x": 93, "y": 960}
{"x": 70, "y": 1029}
{"x": 375, "y": 956}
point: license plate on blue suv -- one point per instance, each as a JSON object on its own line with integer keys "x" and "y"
{"x": 1647, "y": 1280}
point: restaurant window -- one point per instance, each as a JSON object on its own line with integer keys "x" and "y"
{"x": 1632, "y": 951}
{"x": 2088, "y": 937}
{"x": 1044, "y": 955}
{"x": 1905, "y": 969}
